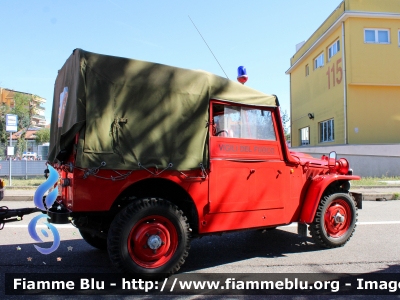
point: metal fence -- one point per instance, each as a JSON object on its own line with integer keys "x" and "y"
{"x": 22, "y": 168}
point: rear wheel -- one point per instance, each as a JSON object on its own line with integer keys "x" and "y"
{"x": 150, "y": 236}
{"x": 334, "y": 221}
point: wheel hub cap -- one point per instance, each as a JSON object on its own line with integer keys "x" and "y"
{"x": 154, "y": 242}
{"x": 339, "y": 218}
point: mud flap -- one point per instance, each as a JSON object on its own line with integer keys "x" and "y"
{"x": 358, "y": 197}
{"x": 302, "y": 229}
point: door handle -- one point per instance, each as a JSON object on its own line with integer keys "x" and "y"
{"x": 252, "y": 171}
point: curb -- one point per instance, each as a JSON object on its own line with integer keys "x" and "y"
{"x": 370, "y": 187}
{"x": 374, "y": 197}
{"x": 18, "y": 198}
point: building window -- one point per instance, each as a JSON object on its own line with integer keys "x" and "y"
{"x": 326, "y": 131}
{"x": 319, "y": 61}
{"x": 307, "y": 70}
{"x": 377, "y": 36}
{"x": 305, "y": 136}
{"x": 333, "y": 49}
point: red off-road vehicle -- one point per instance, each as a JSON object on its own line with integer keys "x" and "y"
{"x": 151, "y": 155}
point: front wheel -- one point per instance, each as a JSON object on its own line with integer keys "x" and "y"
{"x": 150, "y": 237}
{"x": 334, "y": 221}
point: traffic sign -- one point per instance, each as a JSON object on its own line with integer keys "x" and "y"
{"x": 11, "y": 123}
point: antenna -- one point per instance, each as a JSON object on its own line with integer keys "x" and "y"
{"x": 208, "y": 47}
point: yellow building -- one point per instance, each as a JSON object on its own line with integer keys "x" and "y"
{"x": 345, "y": 79}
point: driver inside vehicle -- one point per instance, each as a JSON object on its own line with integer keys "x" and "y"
{"x": 221, "y": 126}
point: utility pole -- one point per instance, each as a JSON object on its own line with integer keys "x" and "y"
{"x": 11, "y": 126}
{"x": 9, "y": 172}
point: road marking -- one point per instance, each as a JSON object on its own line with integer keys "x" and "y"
{"x": 379, "y": 223}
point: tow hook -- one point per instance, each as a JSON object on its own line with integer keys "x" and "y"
{"x": 59, "y": 214}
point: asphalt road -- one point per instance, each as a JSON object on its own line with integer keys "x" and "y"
{"x": 374, "y": 247}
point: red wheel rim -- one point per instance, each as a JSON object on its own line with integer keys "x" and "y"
{"x": 152, "y": 241}
{"x": 337, "y": 218}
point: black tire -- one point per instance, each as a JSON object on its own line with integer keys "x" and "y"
{"x": 149, "y": 237}
{"x": 329, "y": 229}
{"x": 94, "y": 241}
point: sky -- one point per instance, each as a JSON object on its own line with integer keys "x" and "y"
{"x": 37, "y": 37}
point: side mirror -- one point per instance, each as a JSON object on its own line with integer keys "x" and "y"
{"x": 332, "y": 160}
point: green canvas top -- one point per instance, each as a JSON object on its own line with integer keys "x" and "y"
{"x": 129, "y": 111}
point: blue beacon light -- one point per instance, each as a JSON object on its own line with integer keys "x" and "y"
{"x": 242, "y": 75}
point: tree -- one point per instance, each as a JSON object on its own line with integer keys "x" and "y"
{"x": 285, "y": 120}
{"x": 42, "y": 136}
{"x": 24, "y": 109}
{"x": 3, "y": 134}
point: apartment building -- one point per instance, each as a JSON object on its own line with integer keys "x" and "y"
{"x": 38, "y": 118}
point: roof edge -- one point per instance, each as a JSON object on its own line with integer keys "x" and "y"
{"x": 335, "y": 25}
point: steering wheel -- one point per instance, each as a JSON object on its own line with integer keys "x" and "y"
{"x": 221, "y": 131}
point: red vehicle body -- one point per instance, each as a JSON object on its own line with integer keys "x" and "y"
{"x": 146, "y": 217}
{"x": 249, "y": 184}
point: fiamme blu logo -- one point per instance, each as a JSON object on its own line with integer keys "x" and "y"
{"x": 49, "y": 201}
